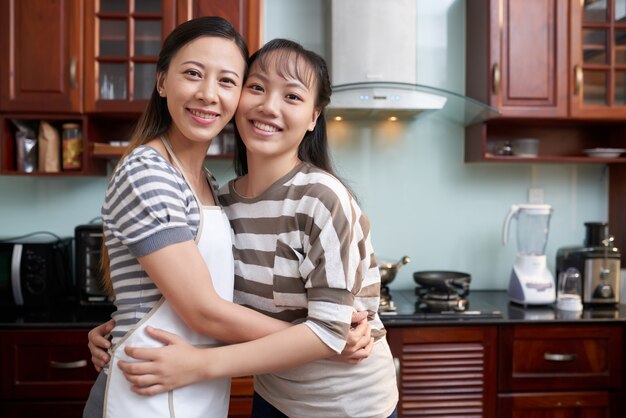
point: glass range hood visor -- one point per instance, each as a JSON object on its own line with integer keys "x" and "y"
{"x": 383, "y": 100}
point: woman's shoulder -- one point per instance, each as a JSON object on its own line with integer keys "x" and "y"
{"x": 144, "y": 160}
{"x": 320, "y": 183}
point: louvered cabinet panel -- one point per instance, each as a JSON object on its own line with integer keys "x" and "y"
{"x": 445, "y": 371}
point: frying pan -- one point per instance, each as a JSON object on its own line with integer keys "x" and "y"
{"x": 443, "y": 280}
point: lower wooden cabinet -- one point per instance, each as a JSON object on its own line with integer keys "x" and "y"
{"x": 555, "y": 405}
{"x": 510, "y": 371}
{"x": 48, "y": 372}
{"x": 560, "y": 371}
{"x": 445, "y": 371}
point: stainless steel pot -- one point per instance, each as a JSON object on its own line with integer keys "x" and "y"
{"x": 389, "y": 269}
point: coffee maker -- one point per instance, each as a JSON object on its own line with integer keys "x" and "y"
{"x": 598, "y": 261}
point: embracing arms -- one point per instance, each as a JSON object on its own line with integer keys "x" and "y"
{"x": 184, "y": 279}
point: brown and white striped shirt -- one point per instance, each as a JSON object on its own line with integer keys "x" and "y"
{"x": 302, "y": 253}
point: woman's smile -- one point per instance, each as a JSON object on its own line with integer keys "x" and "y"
{"x": 203, "y": 117}
{"x": 265, "y": 128}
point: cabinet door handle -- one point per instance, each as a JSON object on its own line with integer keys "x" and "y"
{"x": 559, "y": 357}
{"x": 578, "y": 75}
{"x": 495, "y": 75}
{"x": 396, "y": 363}
{"x": 68, "y": 365}
{"x": 73, "y": 64}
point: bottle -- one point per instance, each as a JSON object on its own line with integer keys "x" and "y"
{"x": 72, "y": 146}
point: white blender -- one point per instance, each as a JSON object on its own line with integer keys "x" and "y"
{"x": 531, "y": 282}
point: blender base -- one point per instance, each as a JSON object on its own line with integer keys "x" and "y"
{"x": 531, "y": 282}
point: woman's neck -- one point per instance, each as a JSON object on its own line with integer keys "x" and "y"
{"x": 263, "y": 172}
{"x": 190, "y": 154}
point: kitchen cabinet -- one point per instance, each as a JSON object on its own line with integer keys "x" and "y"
{"x": 44, "y": 370}
{"x": 556, "y": 371}
{"x": 517, "y": 56}
{"x": 122, "y": 44}
{"x": 598, "y": 59}
{"x": 508, "y": 368}
{"x": 245, "y": 16}
{"x": 123, "y": 40}
{"x": 41, "y": 63}
{"x": 517, "y": 61}
{"x": 445, "y": 371}
{"x": 50, "y": 369}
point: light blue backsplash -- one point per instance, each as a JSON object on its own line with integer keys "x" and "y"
{"x": 410, "y": 178}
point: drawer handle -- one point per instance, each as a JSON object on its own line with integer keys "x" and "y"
{"x": 559, "y": 357}
{"x": 68, "y": 365}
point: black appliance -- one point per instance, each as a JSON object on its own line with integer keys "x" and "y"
{"x": 598, "y": 262}
{"x": 88, "y": 255}
{"x": 441, "y": 291}
{"x": 36, "y": 271}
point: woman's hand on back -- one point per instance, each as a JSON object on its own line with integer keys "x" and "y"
{"x": 359, "y": 342}
{"x": 99, "y": 344}
{"x": 164, "y": 368}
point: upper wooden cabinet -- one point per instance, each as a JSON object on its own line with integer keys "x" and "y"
{"x": 124, "y": 37}
{"x": 41, "y": 55}
{"x": 598, "y": 59}
{"x": 555, "y": 59}
{"x": 123, "y": 40}
{"x": 245, "y": 15}
{"x": 517, "y": 56}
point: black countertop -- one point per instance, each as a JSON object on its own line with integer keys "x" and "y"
{"x": 493, "y": 302}
{"x": 495, "y": 308}
{"x": 67, "y": 316}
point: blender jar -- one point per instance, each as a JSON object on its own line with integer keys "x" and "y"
{"x": 533, "y": 225}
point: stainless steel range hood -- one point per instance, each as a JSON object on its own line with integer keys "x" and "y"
{"x": 373, "y": 65}
{"x": 374, "y": 59}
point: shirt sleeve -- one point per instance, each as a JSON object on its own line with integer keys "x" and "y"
{"x": 332, "y": 266}
{"x": 145, "y": 205}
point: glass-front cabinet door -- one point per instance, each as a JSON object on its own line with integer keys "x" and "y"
{"x": 598, "y": 51}
{"x": 123, "y": 39}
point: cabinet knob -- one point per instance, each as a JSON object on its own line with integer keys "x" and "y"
{"x": 495, "y": 75}
{"x": 68, "y": 365}
{"x": 73, "y": 81}
{"x": 578, "y": 75}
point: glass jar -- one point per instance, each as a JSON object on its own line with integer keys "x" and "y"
{"x": 72, "y": 146}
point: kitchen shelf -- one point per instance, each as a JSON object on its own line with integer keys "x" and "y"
{"x": 113, "y": 152}
{"x": 554, "y": 159}
{"x": 560, "y": 140}
{"x": 107, "y": 151}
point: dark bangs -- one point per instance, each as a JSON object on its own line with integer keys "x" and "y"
{"x": 290, "y": 65}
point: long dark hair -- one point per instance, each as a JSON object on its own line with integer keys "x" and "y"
{"x": 156, "y": 119}
{"x": 314, "y": 145}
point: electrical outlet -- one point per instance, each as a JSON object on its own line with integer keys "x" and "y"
{"x": 535, "y": 195}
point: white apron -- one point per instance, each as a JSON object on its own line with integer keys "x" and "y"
{"x": 207, "y": 399}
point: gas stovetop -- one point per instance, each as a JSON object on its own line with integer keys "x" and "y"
{"x": 407, "y": 305}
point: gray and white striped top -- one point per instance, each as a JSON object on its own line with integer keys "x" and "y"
{"x": 147, "y": 206}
